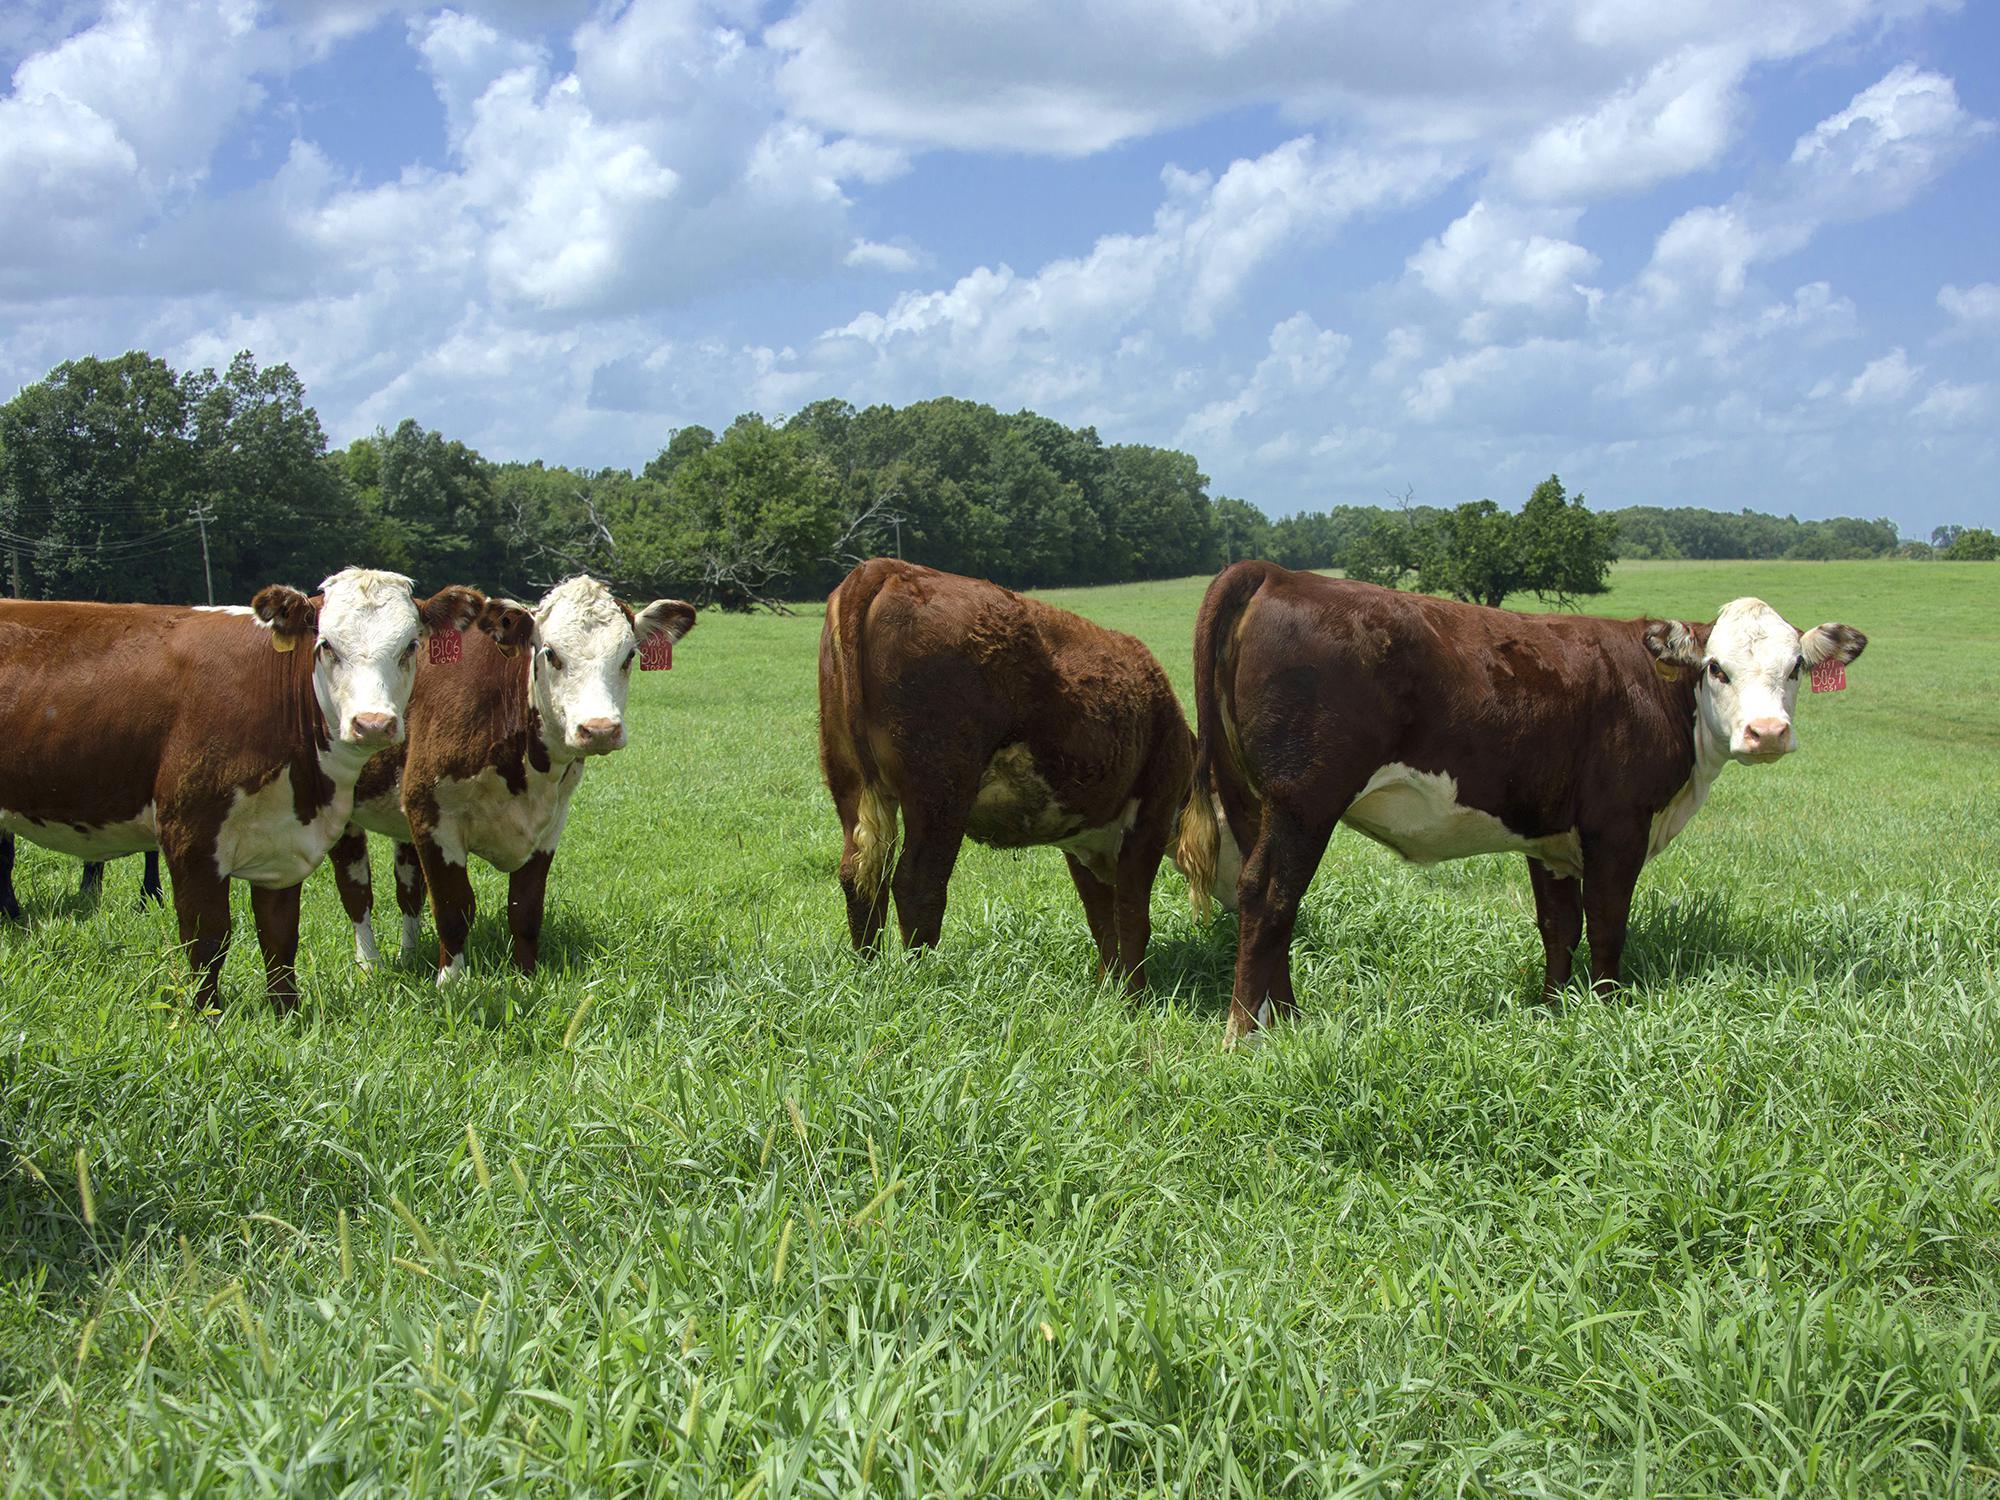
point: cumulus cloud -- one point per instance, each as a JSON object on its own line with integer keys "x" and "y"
{"x": 1972, "y": 309}
{"x": 1883, "y": 380}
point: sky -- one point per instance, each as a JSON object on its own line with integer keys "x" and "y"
{"x": 1707, "y": 253}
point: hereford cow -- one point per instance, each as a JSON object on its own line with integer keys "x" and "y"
{"x": 1444, "y": 730}
{"x": 496, "y": 749}
{"x": 229, "y": 739}
{"x": 975, "y": 712}
{"x": 91, "y": 885}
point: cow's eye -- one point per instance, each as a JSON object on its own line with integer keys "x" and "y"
{"x": 408, "y": 651}
{"x": 1715, "y": 671}
{"x": 554, "y": 661}
{"x": 630, "y": 657}
{"x": 327, "y": 652}
{"x": 1795, "y": 668}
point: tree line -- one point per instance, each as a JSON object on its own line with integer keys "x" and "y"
{"x": 125, "y": 479}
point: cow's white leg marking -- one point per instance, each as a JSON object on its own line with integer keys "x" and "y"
{"x": 413, "y": 934}
{"x": 365, "y": 952}
{"x": 450, "y": 972}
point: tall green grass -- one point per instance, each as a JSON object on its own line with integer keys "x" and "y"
{"x": 709, "y": 1207}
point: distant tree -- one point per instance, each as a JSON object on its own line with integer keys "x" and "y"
{"x": 1916, "y": 551}
{"x": 1157, "y": 512}
{"x": 1563, "y": 551}
{"x": 1385, "y": 552}
{"x": 1973, "y": 544}
{"x": 1943, "y": 536}
{"x": 1470, "y": 554}
{"x": 682, "y": 444}
{"x": 1241, "y": 530}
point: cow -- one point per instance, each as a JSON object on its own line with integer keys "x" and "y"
{"x": 496, "y": 749}
{"x": 972, "y": 712}
{"x": 1444, "y": 730}
{"x": 230, "y": 739}
{"x": 89, "y": 887}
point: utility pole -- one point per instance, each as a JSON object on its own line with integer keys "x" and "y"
{"x": 200, "y": 514}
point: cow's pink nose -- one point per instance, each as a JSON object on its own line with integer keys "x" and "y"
{"x": 600, "y": 734}
{"x": 374, "y": 729}
{"x": 1766, "y": 736}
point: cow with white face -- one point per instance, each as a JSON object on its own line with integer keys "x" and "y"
{"x": 1750, "y": 663}
{"x": 1445, "y": 730}
{"x": 497, "y": 745}
{"x": 229, "y": 739}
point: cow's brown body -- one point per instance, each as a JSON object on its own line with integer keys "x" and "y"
{"x": 129, "y": 726}
{"x": 1442, "y": 730}
{"x": 973, "y": 712}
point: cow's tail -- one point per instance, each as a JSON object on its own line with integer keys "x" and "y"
{"x": 1214, "y": 635}
{"x": 875, "y": 815}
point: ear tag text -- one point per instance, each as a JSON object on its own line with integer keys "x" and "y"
{"x": 657, "y": 655}
{"x": 1830, "y": 676}
{"x": 447, "y": 646}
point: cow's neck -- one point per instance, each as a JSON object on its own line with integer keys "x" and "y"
{"x": 1702, "y": 759}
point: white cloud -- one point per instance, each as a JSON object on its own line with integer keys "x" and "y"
{"x": 1883, "y": 380}
{"x": 1972, "y": 308}
{"x": 1949, "y": 404}
{"x": 1678, "y": 119}
{"x": 1873, "y": 157}
{"x": 1496, "y": 256}
{"x": 870, "y": 255}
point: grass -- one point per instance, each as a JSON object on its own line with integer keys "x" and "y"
{"x": 711, "y": 1208}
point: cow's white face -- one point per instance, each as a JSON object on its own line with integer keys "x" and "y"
{"x": 1750, "y": 664}
{"x": 366, "y": 659}
{"x": 586, "y": 645}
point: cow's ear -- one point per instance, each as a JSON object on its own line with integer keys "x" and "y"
{"x": 453, "y": 608}
{"x": 1831, "y": 643}
{"x": 511, "y": 625}
{"x": 672, "y": 618}
{"x": 289, "y": 615}
{"x": 1674, "y": 644}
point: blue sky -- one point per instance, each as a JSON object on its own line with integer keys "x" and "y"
{"x": 1713, "y": 253}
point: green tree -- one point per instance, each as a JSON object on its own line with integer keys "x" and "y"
{"x": 1241, "y": 530}
{"x": 1156, "y": 514}
{"x": 98, "y": 476}
{"x": 1469, "y": 553}
{"x": 1563, "y": 551}
{"x": 1973, "y": 544}
{"x": 683, "y": 443}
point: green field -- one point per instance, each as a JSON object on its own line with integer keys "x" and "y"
{"x": 748, "y": 1217}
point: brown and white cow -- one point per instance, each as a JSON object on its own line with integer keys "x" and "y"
{"x": 1444, "y": 730}
{"x": 976, "y": 713}
{"x": 230, "y": 739}
{"x": 496, "y": 749}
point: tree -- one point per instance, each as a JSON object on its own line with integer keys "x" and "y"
{"x": 1943, "y": 536}
{"x": 97, "y": 477}
{"x": 1973, "y": 544}
{"x": 1469, "y": 553}
{"x": 1157, "y": 513}
{"x": 1563, "y": 551}
{"x": 683, "y": 443}
{"x": 1241, "y": 530}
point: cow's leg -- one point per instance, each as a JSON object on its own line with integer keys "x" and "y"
{"x": 10, "y": 907}
{"x": 1559, "y": 916}
{"x": 931, "y": 837}
{"x": 452, "y": 907}
{"x": 867, "y": 908}
{"x": 149, "y": 884}
{"x": 1275, "y": 878}
{"x": 1610, "y": 872}
{"x": 351, "y": 877}
{"x": 1100, "y": 905}
{"x": 277, "y": 913}
{"x": 410, "y": 901}
{"x": 527, "y": 894}
{"x": 92, "y": 883}
{"x": 201, "y": 907}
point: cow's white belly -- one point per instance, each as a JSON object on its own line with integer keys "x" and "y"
{"x": 1418, "y": 814}
{"x": 92, "y": 841}
{"x": 261, "y": 839}
{"x": 383, "y": 815}
{"x": 1096, "y": 849}
{"x": 481, "y": 815}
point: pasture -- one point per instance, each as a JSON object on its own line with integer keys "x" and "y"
{"x": 711, "y": 1208}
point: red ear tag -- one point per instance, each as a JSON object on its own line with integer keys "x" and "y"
{"x": 1830, "y": 676}
{"x": 657, "y": 655}
{"x": 447, "y": 645}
